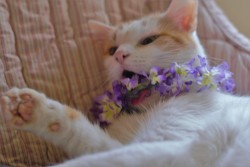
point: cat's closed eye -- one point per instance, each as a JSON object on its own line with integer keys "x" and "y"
{"x": 148, "y": 40}
{"x": 112, "y": 50}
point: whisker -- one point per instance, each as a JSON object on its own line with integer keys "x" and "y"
{"x": 214, "y": 60}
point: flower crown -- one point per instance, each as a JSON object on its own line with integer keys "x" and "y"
{"x": 128, "y": 92}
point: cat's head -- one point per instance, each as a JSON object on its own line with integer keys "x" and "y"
{"x": 155, "y": 40}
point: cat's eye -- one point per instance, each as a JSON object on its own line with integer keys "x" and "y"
{"x": 112, "y": 50}
{"x": 149, "y": 40}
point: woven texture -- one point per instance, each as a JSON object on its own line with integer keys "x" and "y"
{"x": 46, "y": 45}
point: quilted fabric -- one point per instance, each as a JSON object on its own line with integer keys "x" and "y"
{"x": 222, "y": 41}
{"x": 46, "y": 45}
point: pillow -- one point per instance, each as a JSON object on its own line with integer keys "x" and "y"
{"x": 46, "y": 45}
{"x": 222, "y": 41}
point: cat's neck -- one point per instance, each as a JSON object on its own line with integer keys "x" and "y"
{"x": 200, "y": 48}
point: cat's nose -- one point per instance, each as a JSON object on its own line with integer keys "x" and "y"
{"x": 120, "y": 56}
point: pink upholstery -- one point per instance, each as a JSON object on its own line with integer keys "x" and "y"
{"x": 223, "y": 42}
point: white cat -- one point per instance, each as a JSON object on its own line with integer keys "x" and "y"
{"x": 207, "y": 129}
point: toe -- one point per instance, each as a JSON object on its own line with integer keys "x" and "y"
{"x": 25, "y": 113}
{"x": 25, "y": 108}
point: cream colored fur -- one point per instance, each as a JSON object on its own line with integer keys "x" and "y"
{"x": 208, "y": 129}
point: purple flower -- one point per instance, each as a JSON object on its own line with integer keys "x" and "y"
{"x": 223, "y": 78}
{"x": 163, "y": 89}
{"x": 120, "y": 91}
{"x": 178, "y": 78}
{"x": 131, "y": 83}
{"x": 104, "y": 109}
{"x": 228, "y": 85}
{"x": 156, "y": 75}
{"x": 179, "y": 85}
{"x": 203, "y": 61}
{"x": 203, "y": 67}
{"x": 191, "y": 70}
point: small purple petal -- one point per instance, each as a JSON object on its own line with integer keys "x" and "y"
{"x": 154, "y": 71}
{"x": 203, "y": 61}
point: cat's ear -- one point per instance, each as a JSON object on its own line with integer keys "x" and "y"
{"x": 183, "y": 13}
{"x": 100, "y": 31}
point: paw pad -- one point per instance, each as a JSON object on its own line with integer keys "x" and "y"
{"x": 55, "y": 127}
{"x": 17, "y": 109}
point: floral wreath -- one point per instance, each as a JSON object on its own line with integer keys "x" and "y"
{"x": 128, "y": 92}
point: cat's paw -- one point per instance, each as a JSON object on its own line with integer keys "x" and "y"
{"x": 18, "y": 107}
{"x": 27, "y": 109}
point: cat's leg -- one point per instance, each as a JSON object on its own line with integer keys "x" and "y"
{"x": 204, "y": 150}
{"x": 158, "y": 154}
{"x": 154, "y": 154}
{"x": 214, "y": 146}
{"x": 27, "y": 109}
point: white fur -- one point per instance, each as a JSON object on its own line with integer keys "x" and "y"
{"x": 208, "y": 129}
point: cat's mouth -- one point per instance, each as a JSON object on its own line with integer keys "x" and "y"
{"x": 127, "y": 74}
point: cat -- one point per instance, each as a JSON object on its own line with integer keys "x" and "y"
{"x": 206, "y": 129}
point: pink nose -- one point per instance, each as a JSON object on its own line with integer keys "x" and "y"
{"x": 120, "y": 56}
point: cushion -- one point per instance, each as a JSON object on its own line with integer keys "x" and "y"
{"x": 222, "y": 41}
{"x": 46, "y": 45}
